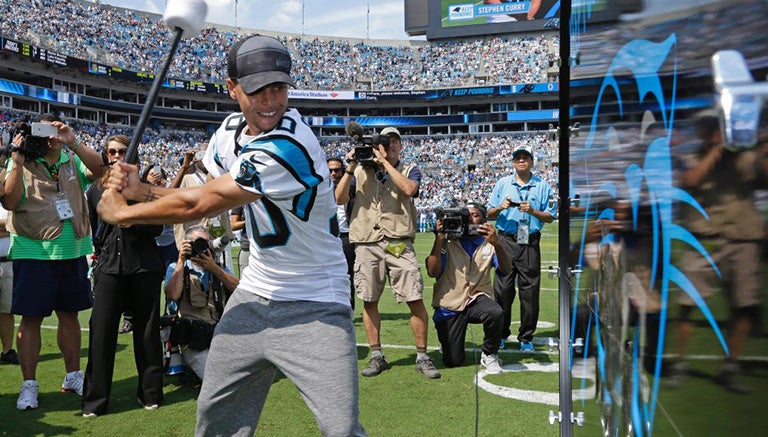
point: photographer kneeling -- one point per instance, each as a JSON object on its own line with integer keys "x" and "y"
{"x": 465, "y": 250}
{"x": 201, "y": 286}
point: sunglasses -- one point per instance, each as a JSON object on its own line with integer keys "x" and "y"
{"x": 115, "y": 152}
{"x": 336, "y": 170}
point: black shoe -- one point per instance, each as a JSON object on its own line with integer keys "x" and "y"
{"x": 127, "y": 327}
{"x": 729, "y": 377}
{"x": 9, "y": 357}
{"x": 376, "y": 365}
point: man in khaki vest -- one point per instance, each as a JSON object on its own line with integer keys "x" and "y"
{"x": 50, "y": 238}
{"x": 463, "y": 293}
{"x": 382, "y": 227}
{"x": 732, "y": 231}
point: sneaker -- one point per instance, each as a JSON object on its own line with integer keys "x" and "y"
{"x": 492, "y": 364}
{"x": 678, "y": 373}
{"x": 426, "y": 367}
{"x": 127, "y": 327}
{"x": 10, "y": 357}
{"x": 376, "y": 365}
{"x": 503, "y": 343}
{"x": 89, "y": 414}
{"x": 148, "y": 406}
{"x": 729, "y": 377}
{"x": 28, "y": 395}
{"x": 73, "y": 383}
{"x": 526, "y": 346}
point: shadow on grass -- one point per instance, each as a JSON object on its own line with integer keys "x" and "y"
{"x": 405, "y": 315}
{"x": 55, "y": 354}
{"x": 33, "y": 422}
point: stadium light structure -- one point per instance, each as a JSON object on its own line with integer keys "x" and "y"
{"x": 186, "y": 18}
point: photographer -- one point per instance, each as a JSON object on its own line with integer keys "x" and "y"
{"x": 50, "y": 238}
{"x": 382, "y": 228}
{"x": 521, "y": 203}
{"x": 201, "y": 286}
{"x": 733, "y": 232}
{"x": 463, "y": 293}
{"x": 127, "y": 275}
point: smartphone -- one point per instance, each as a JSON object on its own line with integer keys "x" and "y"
{"x": 43, "y": 130}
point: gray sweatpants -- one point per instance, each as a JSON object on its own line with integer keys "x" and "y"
{"x": 312, "y": 343}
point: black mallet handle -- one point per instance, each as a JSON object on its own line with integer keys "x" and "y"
{"x": 131, "y": 156}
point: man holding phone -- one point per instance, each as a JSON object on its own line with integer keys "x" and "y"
{"x": 520, "y": 204}
{"x": 50, "y": 238}
{"x": 194, "y": 175}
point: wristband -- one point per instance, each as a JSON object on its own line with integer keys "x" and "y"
{"x": 349, "y": 172}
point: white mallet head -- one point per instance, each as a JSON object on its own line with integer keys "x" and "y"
{"x": 188, "y": 15}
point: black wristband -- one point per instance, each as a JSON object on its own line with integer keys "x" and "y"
{"x": 349, "y": 172}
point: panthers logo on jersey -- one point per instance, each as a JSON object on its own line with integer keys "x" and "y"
{"x": 247, "y": 175}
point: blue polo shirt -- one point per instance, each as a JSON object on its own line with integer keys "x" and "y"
{"x": 537, "y": 192}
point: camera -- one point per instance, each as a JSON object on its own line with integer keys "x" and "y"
{"x": 32, "y": 146}
{"x": 364, "y": 149}
{"x": 199, "y": 246}
{"x": 454, "y": 220}
{"x": 364, "y": 143}
{"x": 473, "y": 230}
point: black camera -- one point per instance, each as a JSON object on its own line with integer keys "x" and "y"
{"x": 199, "y": 246}
{"x": 453, "y": 220}
{"x": 473, "y": 230}
{"x": 32, "y": 147}
{"x": 364, "y": 149}
{"x": 364, "y": 143}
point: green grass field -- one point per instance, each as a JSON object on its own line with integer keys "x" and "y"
{"x": 400, "y": 402}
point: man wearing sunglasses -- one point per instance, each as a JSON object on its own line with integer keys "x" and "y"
{"x": 343, "y": 212}
{"x": 50, "y": 238}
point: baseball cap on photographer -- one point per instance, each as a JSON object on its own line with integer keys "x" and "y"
{"x": 479, "y": 206}
{"x": 258, "y": 61}
{"x": 522, "y": 149}
{"x": 390, "y": 130}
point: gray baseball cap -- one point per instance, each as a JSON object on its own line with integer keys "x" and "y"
{"x": 258, "y": 61}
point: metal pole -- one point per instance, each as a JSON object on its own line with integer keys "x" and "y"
{"x": 566, "y": 397}
{"x": 132, "y": 154}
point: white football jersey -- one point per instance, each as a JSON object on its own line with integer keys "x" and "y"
{"x": 295, "y": 250}
{"x": 221, "y": 153}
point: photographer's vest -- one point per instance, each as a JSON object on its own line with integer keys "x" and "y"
{"x": 726, "y": 195}
{"x": 463, "y": 277}
{"x": 198, "y": 304}
{"x": 382, "y": 204}
{"x": 36, "y": 217}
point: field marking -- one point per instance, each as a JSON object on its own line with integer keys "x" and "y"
{"x": 585, "y": 369}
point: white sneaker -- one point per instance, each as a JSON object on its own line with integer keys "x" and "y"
{"x": 28, "y": 395}
{"x": 73, "y": 383}
{"x": 492, "y": 364}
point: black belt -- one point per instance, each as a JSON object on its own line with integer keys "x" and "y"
{"x": 532, "y": 238}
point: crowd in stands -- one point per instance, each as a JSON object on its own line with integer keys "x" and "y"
{"x": 327, "y": 63}
{"x": 320, "y": 63}
{"x": 455, "y": 168}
